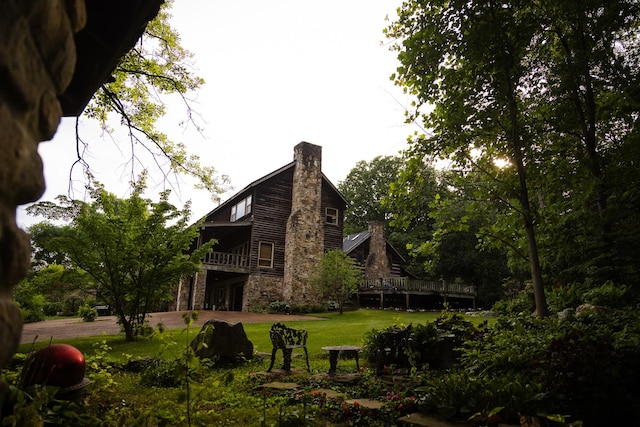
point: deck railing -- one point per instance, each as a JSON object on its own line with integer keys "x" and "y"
{"x": 406, "y": 284}
{"x": 226, "y": 259}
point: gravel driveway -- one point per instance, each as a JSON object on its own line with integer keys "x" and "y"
{"x": 73, "y": 328}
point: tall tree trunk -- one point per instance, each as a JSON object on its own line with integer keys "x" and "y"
{"x": 532, "y": 246}
{"x": 525, "y": 205}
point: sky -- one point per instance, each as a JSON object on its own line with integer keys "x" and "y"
{"x": 276, "y": 73}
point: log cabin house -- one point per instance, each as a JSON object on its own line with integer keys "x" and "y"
{"x": 270, "y": 237}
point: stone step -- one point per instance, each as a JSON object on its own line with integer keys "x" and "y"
{"x": 278, "y": 385}
{"x": 331, "y": 394}
{"x": 365, "y": 403}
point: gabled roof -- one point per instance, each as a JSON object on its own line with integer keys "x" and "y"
{"x": 353, "y": 241}
{"x": 265, "y": 178}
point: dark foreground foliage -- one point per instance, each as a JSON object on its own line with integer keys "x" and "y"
{"x": 578, "y": 369}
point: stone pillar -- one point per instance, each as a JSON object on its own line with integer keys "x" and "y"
{"x": 377, "y": 264}
{"x": 304, "y": 240}
{"x": 199, "y": 290}
{"x": 37, "y": 60}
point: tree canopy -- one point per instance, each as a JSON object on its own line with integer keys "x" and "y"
{"x": 398, "y": 191}
{"x": 365, "y": 187}
{"x": 155, "y": 71}
{"x": 134, "y": 250}
{"x": 532, "y": 103}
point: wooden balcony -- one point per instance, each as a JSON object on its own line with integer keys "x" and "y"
{"x": 225, "y": 261}
{"x": 416, "y": 286}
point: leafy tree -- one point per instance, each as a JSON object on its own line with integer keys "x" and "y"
{"x": 409, "y": 199}
{"x": 473, "y": 71}
{"x": 337, "y": 277}
{"x": 135, "y": 250}
{"x": 365, "y": 187}
{"x": 155, "y": 70}
{"x": 41, "y": 256}
{"x": 64, "y": 288}
{"x": 531, "y": 105}
{"x": 397, "y": 191}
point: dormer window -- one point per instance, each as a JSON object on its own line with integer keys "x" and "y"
{"x": 241, "y": 209}
{"x": 331, "y": 216}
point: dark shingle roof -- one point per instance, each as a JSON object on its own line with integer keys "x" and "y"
{"x": 352, "y": 241}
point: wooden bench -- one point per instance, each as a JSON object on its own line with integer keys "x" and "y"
{"x": 394, "y": 344}
{"x": 287, "y": 339}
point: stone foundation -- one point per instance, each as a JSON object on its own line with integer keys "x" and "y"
{"x": 261, "y": 290}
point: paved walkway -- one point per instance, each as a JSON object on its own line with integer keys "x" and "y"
{"x": 75, "y": 327}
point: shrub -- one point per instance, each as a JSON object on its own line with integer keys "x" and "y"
{"x": 32, "y": 308}
{"x": 583, "y": 364}
{"x": 160, "y": 373}
{"x": 88, "y": 313}
{"x": 51, "y": 308}
{"x": 609, "y": 295}
{"x": 565, "y": 296}
{"x": 518, "y": 301}
{"x": 279, "y": 307}
{"x": 433, "y": 344}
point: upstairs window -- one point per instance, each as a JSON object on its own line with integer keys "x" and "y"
{"x": 241, "y": 209}
{"x": 265, "y": 254}
{"x": 331, "y": 216}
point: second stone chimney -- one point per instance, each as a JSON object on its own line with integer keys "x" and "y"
{"x": 304, "y": 240}
{"x": 377, "y": 263}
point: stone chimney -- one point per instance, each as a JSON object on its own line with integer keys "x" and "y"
{"x": 377, "y": 263}
{"x": 304, "y": 240}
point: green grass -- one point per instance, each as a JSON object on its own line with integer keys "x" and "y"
{"x": 348, "y": 328}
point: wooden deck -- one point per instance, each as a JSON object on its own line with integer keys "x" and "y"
{"x": 404, "y": 288}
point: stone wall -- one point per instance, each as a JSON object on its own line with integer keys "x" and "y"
{"x": 37, "y": 60}
{"x": 377, "y": 263}
{"x": 304, "y": 240}
{"x": 260, "y": 290}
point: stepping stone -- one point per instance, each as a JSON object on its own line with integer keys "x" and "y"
{"x": 365, "y": 403}
{"x": 420, "y": 419}
{"x": 344, "y": 378}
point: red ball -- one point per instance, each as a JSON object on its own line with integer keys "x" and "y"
{"x": 59, "y": 365}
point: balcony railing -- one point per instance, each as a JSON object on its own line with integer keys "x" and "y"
{"x": 406, "y": 284}
{"x": 226, "y": 259}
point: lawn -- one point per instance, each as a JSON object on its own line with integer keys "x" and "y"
{"x": 348, "y": 328}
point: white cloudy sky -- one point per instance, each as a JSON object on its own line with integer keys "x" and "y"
{"x": 276, "y": 73}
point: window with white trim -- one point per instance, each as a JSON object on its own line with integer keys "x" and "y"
{"x": 265, "y": 254}
{"x": 331, "y": 216}
{"x": 241, "y": 209}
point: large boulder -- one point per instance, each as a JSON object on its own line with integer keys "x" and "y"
{"x": 222, "y": 342}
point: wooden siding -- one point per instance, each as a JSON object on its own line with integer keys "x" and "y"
{"x": 271, "y": 209}
{"x": 332, "y": 233}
